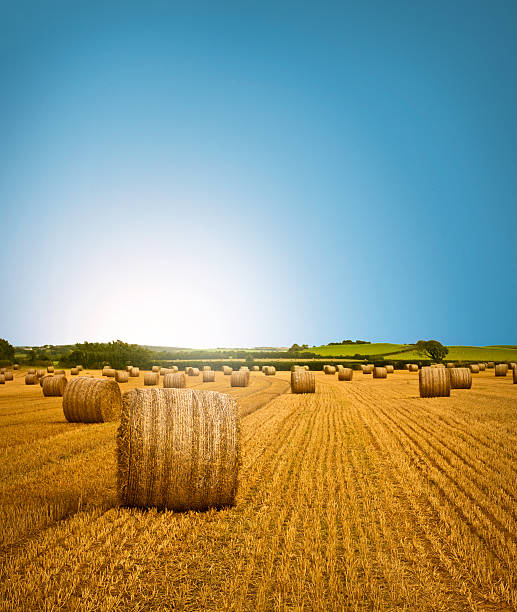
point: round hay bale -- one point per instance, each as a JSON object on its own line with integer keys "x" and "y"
{"x": 461, "y": 378}
{"x": 379, "y": 372}
{"x": 155, "y": 368}
{"x": 474, "y": 368}
{"x": 31, "y": 379}
{"x": 390, "y": 369}
{"x": 240, "y": 379}
{"x": 59, "y": 373}
{"x": 413, "y": 367}
{"x": 227, "y": 370}
{"x": 515, "y": 375}
{"x": 122, "y": 376}
{"x": 303, "y": 382}
{"x": 270, "y": 371}
{"x": 255, "y": 368}
{"x": 109, "y": 372}
{"x": 43, "y": 377}
{"x": 50, "y": 369}
{"x": 294, "y": 368}
{"x": 31, "y": 371}
{"x": 40, "y": 373}
{"x": 490, "y": 365}
{"x": 2, "y": 379}
{"x": 175, "y": 380}
{"x": 482, "y": 367}
{"x": 74, "y": 371}
{"x": 151, "y": 378}
{"x": 192, "y": 371}
{"x": 16, "y": 367}
{"x": 434, "y": 382}
{"x": 80, "y": 368}
{"x": 451, "y": 365}
{"x": 306, "y": 367}
{"x": 512, "y": 365}
{"x": 207, "y": 368}
{"x": 406, "y": 366}
{"x": 244, "y": 369}
{"x": 501, "y": 369}
{"x": 91, "y": 400}
{"x": 134, "y": 372}
{"x": 345, "y": 374}
{"x": 208, "y": 376}
{"x": 368, "y": 369}
{"x": 54, "y": 386}
{"x": 329, "y": 369}
{"x": 8, "y": 376}
{"x": 178, "y": 449}
{"x": 3, "y": 370}
{"x": 163, "y": 371}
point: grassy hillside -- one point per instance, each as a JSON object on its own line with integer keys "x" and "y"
{"x": 380, "y": 348}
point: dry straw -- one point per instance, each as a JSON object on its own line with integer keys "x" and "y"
{"x": 128, "y": 368}
{"x": 80, "y": 368}
{"x": 244, "y": 369}
{"x": 8, "y": 376}
{"x": 156, "y": 368}
{"x": 178, "y": 449}
{"x": 434, "y": 382}
{"x": 345, "y": 374}
{"x": 474, "y": 368}
{"x": 163, "y": 371}
{"x": 461, "y": 378}
{"x": 122, "y": 376}
{"x": 515, "y": 375}
{"x": 31, "y": 371}
{"x": 451, "y": 365}
{"x": 390, "y": 369}
{"x": 134, "y": 372}
{"x": 31, "y": 379}
{"x": 175, "y": 380}
{"x": 2, "y": 379}
{"x": 43, "y": 378}
{"x": 50, "y": 369}
{"x": 413, "y": 367}
{"x": 151, "y": 378}
{"x": 240, "y": 379}
{"x": 270, "y": 371}
{"x": 329, "y": 369}
{"x": 192, "y": 371}
{"x": 74, "y": 372}
{"x": 40, "y": 373}
{"x": 3, "y": 370}
{"x": 206, "y": 368}
{"x": 490, "y": 365}
{"x": 501, "y": 369}
{"x": 368, "y": 369}
{"x": 380, "y": 372}
{"x": 255, "y": 368}
{"x": 60, "y": 373}
{"x": 109, "y": 372}
{"x": 482, "y": 367}
{"x": 227, "y": 370}
{"x": 208, "y": 376}
{"x": 54, "y": 386}
{"x": 303, "y": 382}
{"x": 91, "y": 400}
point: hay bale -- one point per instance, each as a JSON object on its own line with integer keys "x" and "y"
{"x": 174, "y": 380}
{"x": 207, "y": 368}
{"x": 451, "y": 365}
{"x": 54, "y": 386}
{"x": 178, "y": 449}
{"x": 31, "y": 371}
{"x": 474, "y": 368}
{"x": 155, "y": 368}
{"x": 434, "y": 382}
{"x": 43, "y": 377}
{"x": 122, "y": 376}
{"x": 345, "y": 374}
{"x": 390, "y": 369}
{"x": 50, "y": 369}
{"x": 379, "y": 372}
{"x": 151, "y": 378}
{"x": 3, "y": 370}
{"x": 329, "y": 369}
{"x": 406, "y": 366}
{"x": 461, "y": 378}
{"x": 303, "y": 381}
{"x": 40, "y": 373}
{"x": 2, "y": 379}
{"x": 413, "y": 367}
{"x": 31, "y": 379}
{"x": 515, "y": 375}
{"x": 490, "y": 365}
{"x": 482, "y": 367}
{"x": 91, "y": 400}
{"x": 368, "y": 369}
{"x": 208, "y": 376}
{"x": 8, "y": 376}
{"x": 163, "y": 371}
{"x": 240, "y": 379}
{"x": 306, "y": 367}
{"x": 227, "y": 370}
{"x": 134, "y": 372}
{"x": 109, "y": 372}
{"x": 74, "y": 371}
{"x": 80, "y": 368}
{"x": 244, "y": 369}
{"x": 270, "y": 371}
{"x": 512, "y": 365}
{"x": 16, "y": 367}
{"x": 501, "y": 369}
{"x": 255, "y": 368}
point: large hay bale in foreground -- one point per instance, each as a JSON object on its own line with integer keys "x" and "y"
{"x": 134, "y": 372}
{"x": 156, "y": 368}
{"x": 345, "y": 374}
{"x": 109, "y": 372}
{"x": 122, "y": 376}
{"x": 501, "y": 369}
{"x": 91, "y": 400}
{"x": 178, "y": 449}
{"x": 240, "y": 378}
{"x": 8, "y": 376}
{"x": 54, "y": 386}
{"x": 461, "y": 378}
{"x": 474, "y": 368}
{"x": 413, "y": 367}
{"x": 379, "y": 372}
{"x": 151, "y": 378}
{"x": 174, "y": 380}
{"x": 208, "y": 376}
{"x": 434, "y": 382}
{"x": 303, "y": 382}
{"x": 390, "y": 369}
{"x": 31, "y": 379}
{"x": 50, "y": 369}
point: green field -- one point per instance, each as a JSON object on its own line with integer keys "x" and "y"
{"x": 381, "y": 348}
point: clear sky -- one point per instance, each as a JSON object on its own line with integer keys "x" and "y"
{"x": 258, "y": 173}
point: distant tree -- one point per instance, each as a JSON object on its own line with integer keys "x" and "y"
{"x": 432, "y": 349}
{"x": 295, "y": 347}
{"x": 6, "y": 351}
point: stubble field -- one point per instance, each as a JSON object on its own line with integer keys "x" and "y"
{"x": 362, "y": 496}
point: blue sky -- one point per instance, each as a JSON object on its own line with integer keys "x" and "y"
{"x": 255, "y": 173}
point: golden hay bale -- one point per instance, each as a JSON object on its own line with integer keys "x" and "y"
{"x": 490, "y": 365}
{"x": 91, "y": 400}
{"x": 240, "y": 379}
{"x": 50, "y": 369}
{"x": 31, "y": 379}
{"x": 174, "y": 380}
{"x": 207, "y": 368}
{"x": 306, "y": 367}
{"x": 74, "y": 371}
{"x": 294, "y": 368}
{"x": 60, "y": 373}
{"x": 178, "y": 449}
{"x": 482, "y": 367}
{"x": 303, "y": 382}
{"x": 255, "y": 368}
{"x": 3, "y": 370}
{"x": 345, "y": 374}
{"x": 79, "y": 367}
{"x": 406, "y": 366}
{"x": 512, "y": 365}
{"x": 501, "y": 369}
{"x": 413, "y": 367}
{"x": 54, "y": 386}
{"x": 40, "y": 373}
{"x": 43, "y": 377}
{"x": 434, "y": 382}
{"x": 151, "y": 378}
{"x": 390, "y": 369}
{"x": 227, "y": 370}
{"x": 194, "y": 372}
{"x": 368, "y": 369}
{"x": 451, "y": 365}
{"x": 109, "y": 372}
{"x": 329, "y": 369}
{"x": 8, "y": 376}
{"x": 515, "y": 375}
{"x": 134, "y": 372}
{"x": 163, "y": 371}
{"x": 2, "y": 379}
{"x": 379, "y": 372}
{"x": 474, "y": 368}
{"x": 208, "y": 376}
{"x": 461, "y": 378}
{"x": 31, "y": 371}
{"x": 244, "y": 369}
{"x": 156, "y": 368}
{"x": 16, "y": 366}
{"x": 122, "y": 376}
{"x": 270, "y": 371}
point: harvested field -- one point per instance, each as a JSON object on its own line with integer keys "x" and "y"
{"x": 360, "y": 496}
